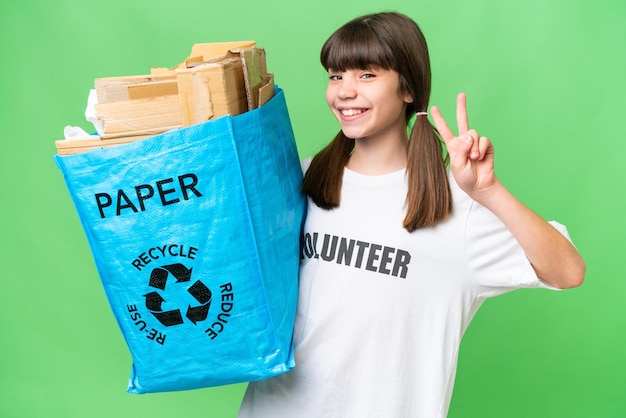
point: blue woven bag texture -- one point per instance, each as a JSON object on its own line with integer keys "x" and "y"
{"x": 195, "y": 235}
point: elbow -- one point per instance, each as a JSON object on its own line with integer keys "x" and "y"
{"x": 579, "y": 277}
{"x": 569, "y": 275}
{"x": 575, "y": 275}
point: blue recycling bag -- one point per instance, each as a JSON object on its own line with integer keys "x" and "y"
{"x": 195, "y": 234}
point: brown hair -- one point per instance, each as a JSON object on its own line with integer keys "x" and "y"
{"x": 391, "y": 41}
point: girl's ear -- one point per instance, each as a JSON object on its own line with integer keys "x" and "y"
{"x": 406, "y": 96}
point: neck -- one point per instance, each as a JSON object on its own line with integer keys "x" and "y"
{"x": 378, "y": 157}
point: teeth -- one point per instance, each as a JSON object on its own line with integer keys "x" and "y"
{"x": 351, "y": 112}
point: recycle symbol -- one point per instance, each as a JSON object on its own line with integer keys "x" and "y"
{"x": 159, "y": 279}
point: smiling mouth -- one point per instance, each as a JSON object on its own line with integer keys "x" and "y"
{"x": 351, "y": 112}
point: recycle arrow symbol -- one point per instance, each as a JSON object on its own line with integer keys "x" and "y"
{"x": 167, "y": 318}
{"x": 158, "y": 276}
{"x": 203, "y": 295}
{"x": 154, "y": 301}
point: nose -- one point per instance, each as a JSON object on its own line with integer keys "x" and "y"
{"x": 346, "y": 89}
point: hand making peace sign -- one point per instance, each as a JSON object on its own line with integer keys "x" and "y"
{"x": 471, "y": 156}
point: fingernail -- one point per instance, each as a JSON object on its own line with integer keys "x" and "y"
{"x": 467, "y": 138}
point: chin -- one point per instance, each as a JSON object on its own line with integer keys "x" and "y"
{"x": 352, "y": 134}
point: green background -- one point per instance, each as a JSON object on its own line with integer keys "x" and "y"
{"x": 545, "y": 81}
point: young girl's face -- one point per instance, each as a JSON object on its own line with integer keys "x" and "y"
{"x": 368, "y": 103}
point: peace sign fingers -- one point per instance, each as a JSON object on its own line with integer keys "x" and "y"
{"x": 461, "y": 120}
{"x": 471, "y": 156}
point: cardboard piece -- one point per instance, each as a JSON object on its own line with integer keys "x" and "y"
{"x": 153, "y": 89}
{"x": 76, "y": 146}
{"x": 209, "y": 51}
{"x": 116, "y": 89}
{"x": 139, "y": 117}
{"x": 217, "y": 79}
{"x": 266, "y": 92}
{"x": 211, "y": 90}
{"x": 255, "y": 74}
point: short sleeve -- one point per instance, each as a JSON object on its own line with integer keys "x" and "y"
{"x": 497, "y": 263}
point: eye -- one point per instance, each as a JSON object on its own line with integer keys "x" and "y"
{"x": 334, "y": 77}
{"x": 368, "y": 75}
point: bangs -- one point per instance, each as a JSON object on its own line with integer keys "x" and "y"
{"x": 356, "y": 46}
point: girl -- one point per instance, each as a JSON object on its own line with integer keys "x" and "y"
{"x": 399, "y": 252}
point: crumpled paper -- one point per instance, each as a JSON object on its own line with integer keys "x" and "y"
{"x": 74, "y": 132}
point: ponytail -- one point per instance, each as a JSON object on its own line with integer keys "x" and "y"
{"x": 429, "y": 200}
{"x": 322, "y": 181}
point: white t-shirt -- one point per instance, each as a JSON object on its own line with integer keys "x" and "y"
{"x": 381, "y": 311}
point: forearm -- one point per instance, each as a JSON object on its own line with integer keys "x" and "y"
{"x": 555, "y": 260}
